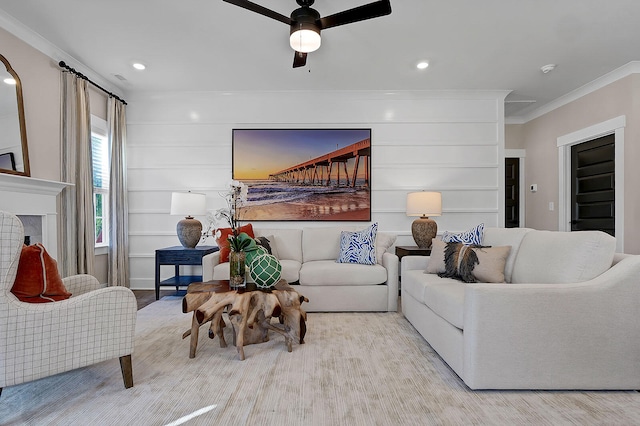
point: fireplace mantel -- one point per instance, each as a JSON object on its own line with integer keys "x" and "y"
{"x": 29, "y": 196}
{"x": 22, "y": 184}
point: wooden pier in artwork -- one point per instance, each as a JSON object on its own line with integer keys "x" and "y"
{"x": 312, "y": 172}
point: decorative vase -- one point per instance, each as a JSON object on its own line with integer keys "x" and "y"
{"x": 237, "y": 269}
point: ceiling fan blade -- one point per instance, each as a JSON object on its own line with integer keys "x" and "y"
{"x": 245, "y": 4}
{"x": 360, "y": 13}
{"x": 299, "y": 59}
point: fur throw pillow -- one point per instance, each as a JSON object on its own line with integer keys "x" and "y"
{"x": 475, "y": 263}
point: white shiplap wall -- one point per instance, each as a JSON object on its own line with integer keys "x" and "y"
{"x": 451, "y": 142}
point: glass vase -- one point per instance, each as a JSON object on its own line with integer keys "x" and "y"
{"x": 237, "y": 269}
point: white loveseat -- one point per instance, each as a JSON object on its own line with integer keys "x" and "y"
{"x": 567, "y": 318}
{"x": 308, "y": 257}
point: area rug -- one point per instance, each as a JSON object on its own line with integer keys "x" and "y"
{"x": 355, "y": 369}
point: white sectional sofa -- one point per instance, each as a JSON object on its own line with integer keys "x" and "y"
{"x": 308, "y": 257}
{"x": 567, "y": 318}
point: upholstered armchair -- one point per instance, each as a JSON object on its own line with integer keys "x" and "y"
{"x": 41, "y": 339}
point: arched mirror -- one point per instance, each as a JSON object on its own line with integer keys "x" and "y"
{"x": 14, "y": 155}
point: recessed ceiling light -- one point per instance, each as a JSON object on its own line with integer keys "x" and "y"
{"x": 422, "y": 65}
{"x": 139, "y": 66}
{"x": 9, "y": 81}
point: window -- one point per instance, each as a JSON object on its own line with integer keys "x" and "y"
{"x": 100, "y": 158}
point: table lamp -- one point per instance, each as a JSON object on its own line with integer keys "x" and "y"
{"x": 189, "y": 204}
{"x": 424, "y": 204}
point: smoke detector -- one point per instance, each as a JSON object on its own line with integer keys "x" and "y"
{"x": 548, "y": 68}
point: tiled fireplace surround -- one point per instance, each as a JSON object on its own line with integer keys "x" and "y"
{"x": 34, "y": 202}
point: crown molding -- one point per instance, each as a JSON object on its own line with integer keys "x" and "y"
{"x": 38, "y": 42}
{"x": 626, "y": 70}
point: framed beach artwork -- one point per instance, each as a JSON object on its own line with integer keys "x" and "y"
{"x": 304, "y": 174}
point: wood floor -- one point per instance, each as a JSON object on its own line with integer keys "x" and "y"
{"x": 146, "y": 297}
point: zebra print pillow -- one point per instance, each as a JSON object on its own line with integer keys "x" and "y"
{"x": 472, "y": 236}
{"x": 358, "y": 247}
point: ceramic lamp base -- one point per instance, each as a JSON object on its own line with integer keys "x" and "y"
{"x": 424, "y": 230}
{"x": 189, "y": 232}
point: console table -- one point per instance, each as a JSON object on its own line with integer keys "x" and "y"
{"x": 177, "y": 256}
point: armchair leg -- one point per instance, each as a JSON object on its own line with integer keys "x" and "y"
{"x": 127, "y": 371}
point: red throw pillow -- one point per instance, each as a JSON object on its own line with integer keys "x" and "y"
{"x": 223, "y": 241}
{"x": 38, "y": 279}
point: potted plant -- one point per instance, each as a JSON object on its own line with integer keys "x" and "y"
{"x": 238, "y": 241}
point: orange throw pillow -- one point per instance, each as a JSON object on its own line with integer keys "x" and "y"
{"x": 223, "y": 241}
{"x": 38, "y": 279}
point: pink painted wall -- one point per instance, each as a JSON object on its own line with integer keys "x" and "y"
{"x": 539, "y": 138}
{"x": 40, "y": 77}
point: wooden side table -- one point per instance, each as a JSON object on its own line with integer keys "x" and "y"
{"x": 177, "y": 256}
{"x": 412, "y": 251}
{"x": 402, "y": 251}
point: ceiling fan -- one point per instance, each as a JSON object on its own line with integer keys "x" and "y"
{"x": 305, "y": 23}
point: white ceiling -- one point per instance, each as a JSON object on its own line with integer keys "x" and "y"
{"x": 470, "y": 44}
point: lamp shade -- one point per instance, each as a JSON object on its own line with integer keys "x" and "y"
{"x": 424, "y": 204}
{"x": 305, "y": 40}
{"x": 188, "y": 204}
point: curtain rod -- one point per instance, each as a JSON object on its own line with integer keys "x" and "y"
{"x": 84, "y": 77}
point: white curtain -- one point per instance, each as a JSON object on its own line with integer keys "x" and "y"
{"x": 118, "y": 205}
{"x": 76, "y": 221}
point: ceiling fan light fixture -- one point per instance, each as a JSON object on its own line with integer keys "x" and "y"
{"x": 305, "y": 39}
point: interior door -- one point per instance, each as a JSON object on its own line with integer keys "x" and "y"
{"x": 593, "y": 185}
{"x": 512, "y": 192}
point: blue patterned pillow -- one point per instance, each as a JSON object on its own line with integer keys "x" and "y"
{"x": 358, "y": 247}
{"x": 472, "y": 236}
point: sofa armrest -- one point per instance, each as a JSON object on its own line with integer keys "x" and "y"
{"x": 556, "y": 330}
{"x": 390, "y": 263}
{"x": 209, "y": 262}
{"x": 81, "y": 284}
{"x": 410, "y": 263}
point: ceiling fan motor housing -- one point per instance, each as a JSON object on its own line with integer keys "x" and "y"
{"x": 304, "y": 18}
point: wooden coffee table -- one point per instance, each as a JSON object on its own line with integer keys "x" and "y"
{"x": 249, "y": 310}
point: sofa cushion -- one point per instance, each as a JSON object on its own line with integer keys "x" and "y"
{"x": 563, "y": 257}
{"x": 322, "y": 243}
{"x": 290, "y": 271}
{"x": 288, "y": 242}
{"x": 37, "y": 278}
{"x": 384, "y": 240}
{"x": 222, "y": 239}
{"x": 468, "y": 263}
{"x": 436, "y": 258}
{"x": 506, "y": 237}
{"x": 444, "y": 296}
{"x": 471, "y": 236}
{"x": 269, "y": 243}
{"x": 328, "y": 272}
{"x": 359, "y": 246}
{"x": 472, "y": 264}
